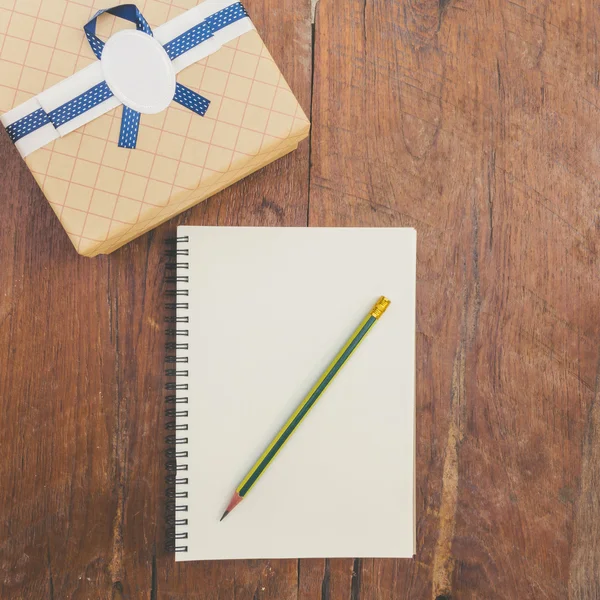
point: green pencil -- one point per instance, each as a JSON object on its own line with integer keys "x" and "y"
{"x": 309, "y": 401}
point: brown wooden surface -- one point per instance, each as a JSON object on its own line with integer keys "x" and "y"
{"x": 475, "y": 122}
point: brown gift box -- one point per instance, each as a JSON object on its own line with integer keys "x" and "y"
{"x": 104, "y": 195}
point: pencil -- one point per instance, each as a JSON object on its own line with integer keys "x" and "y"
{"x": 309, "y": 401}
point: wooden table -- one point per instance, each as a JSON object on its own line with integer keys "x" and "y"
{"x": 475, "y": 122}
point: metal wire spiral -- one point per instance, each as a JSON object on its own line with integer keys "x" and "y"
{"x": 175, "y": 401}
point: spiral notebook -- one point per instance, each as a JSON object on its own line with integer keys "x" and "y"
{"x": 260, "y": 312}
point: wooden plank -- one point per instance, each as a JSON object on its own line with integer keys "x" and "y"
{"x": 57, "y": 400}
{"x": 476, "y": 124}
{"x": 584, "y": 571}
{"x": 136, "y": 284}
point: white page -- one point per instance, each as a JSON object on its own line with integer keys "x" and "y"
{"x": 269, "y": 309}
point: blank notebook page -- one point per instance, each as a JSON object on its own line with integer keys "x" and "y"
{"x": 269, "y": 308}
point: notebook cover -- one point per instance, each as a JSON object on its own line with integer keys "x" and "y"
{"x": 262, "y": 313}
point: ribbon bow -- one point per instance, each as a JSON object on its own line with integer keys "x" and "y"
{"x": 130, "y": 121}
{"x": 101, "y": 92}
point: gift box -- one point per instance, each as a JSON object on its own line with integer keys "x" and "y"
{"x": 128, "y": 114}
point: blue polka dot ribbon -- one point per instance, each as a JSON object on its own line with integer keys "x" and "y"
{"x": 130, "y": 126}
{"x": 94, "y": 96}
{"x": 130, "y": 122}
{"x": 28, "y": 124}
{"x": 205, "y": 30}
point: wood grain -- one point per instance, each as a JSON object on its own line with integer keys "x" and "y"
{"x": 476, "y": 123}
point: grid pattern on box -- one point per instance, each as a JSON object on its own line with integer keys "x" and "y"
{"x": 104, "y": 194}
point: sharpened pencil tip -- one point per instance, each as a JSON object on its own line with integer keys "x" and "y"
{"x": 235, "y": 500}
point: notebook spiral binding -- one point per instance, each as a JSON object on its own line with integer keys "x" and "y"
{"x": 175, "y": 404}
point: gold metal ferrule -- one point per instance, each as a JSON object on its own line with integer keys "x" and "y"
{"x": 380, "y": 307}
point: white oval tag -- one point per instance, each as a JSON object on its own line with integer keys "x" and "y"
{"x": 138, "y": 71}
